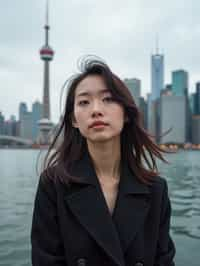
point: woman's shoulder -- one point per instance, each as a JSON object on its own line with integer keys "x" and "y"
{"x": 159, "y": 185}
{"x": 46, "y": 185}
{"x": 49, "y": 183}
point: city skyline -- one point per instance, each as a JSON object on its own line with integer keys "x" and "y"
{"x": 130, "y": 32}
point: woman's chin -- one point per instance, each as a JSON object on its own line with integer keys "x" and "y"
{"x": 101, "y": 139}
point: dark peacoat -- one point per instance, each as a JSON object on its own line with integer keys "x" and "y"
{"x": 72, "y": 226}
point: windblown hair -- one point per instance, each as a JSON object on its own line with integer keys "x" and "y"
{"x": 137, "y": 146}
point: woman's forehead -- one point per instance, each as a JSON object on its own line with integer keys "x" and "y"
{"x": 91, "y": 85}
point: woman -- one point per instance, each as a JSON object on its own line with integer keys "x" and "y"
{"x": 100, "y": 200}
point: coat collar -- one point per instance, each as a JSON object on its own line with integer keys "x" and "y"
{"x": 86, "y": 201}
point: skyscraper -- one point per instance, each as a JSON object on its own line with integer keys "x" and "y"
{"x": 134, "y": 86}
{"x": 173, "y": 116}
{"x": 22, "y": 110}
{"x": 197, "y": 99}
{"x": 25, "y": 121}
{"x": 37, "y": 115}
{"x": 2, "y": 120}
{"x": 180, "y": 82}
{"x": 192, "y": 99}
{"x": 157, "y": 74}
{"x": 196, "y": 129}
{"x": 180, "y": 88}
{"x": 157, "y": 85}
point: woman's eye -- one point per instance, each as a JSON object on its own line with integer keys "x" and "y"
{"x": 84, "y": 102}
{"x": 108, "y": 99}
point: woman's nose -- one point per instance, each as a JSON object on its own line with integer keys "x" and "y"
{"x": 96, "y": 114}
{"x": 97, "y": 108}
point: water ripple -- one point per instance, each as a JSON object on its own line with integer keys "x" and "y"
{"x": 18, "y": 185}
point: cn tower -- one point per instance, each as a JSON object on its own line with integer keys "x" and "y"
{"x": 46, "y": 54}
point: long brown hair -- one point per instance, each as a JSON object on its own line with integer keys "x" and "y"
{"x": 137, "y": 147}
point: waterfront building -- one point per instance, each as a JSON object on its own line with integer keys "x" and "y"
{"x": 152, "y": 120}
{"x": 14, "y": 126}
{"x": 143, "y": 109}
{"x": 180, "y": 82}
{"x": 22, "y": 109}
{"x": 26, "y": 123}
{"x": 197, "y": 99}
{"x": 149, "y": 112}
{"x": 134, "y": 85}
{"x": 37, "y": 110}
{"x": 192, "y": 103}
{"x": 10, "y": 127}
{"x": 196, "y": 129}
{"x": 157, "y": 75}
{"x": 2, "y": 120}
{"x": 172, "y": 115}
{"x": 157, "y": 86}
{"x": 180, "y": 88}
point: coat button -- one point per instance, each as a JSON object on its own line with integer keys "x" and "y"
{"x": 139, "y": 264}
{"x": 81, "y": 262}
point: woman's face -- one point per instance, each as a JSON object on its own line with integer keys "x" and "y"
{"x": 94, "y": 104}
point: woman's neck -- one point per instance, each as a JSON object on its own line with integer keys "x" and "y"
{"x": 106, "y": 158}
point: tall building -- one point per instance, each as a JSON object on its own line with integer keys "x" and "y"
{"x": 157, "y": 74}
{"x": 143, "y": 109}
{"x": 25, "y": 121}
{"x": 149, "y": 111}
{"x": 180, "y": 88}
{"x": 172, "y": 112}
{"x": 152, "y": 116}
{"x": 2, "y": 120}
{"x": 22, "y": 109}
{"x": 37, "y": 110}
{"x": 46, "y": 54}
{"x": 192, "y": 102}
{"x": 180, "y": 82}
{"x": 134, "y": 85}
{"x": 26, "y": 124}
{"x": 157, "y": 86}
{"x": 197, "y": 99}
{"x": 196, "y": 129}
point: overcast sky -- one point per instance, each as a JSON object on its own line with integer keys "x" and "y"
{"x": 122, "y": 33}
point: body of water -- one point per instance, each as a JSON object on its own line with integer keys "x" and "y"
{"x": 18, "y": 183}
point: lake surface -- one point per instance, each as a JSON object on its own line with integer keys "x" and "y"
{"x": 18, "y": 182}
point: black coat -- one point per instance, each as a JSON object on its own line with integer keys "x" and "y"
{"x": 72, "y": 226}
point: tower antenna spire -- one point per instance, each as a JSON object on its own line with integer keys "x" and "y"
{"x": 47, "y": 27}
{"x": 47, "y": 13}
{"x": 157, "y": 44}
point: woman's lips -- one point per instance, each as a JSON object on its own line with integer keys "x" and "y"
{"x": 98, "y": 125}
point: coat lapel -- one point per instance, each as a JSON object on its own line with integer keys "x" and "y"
{"x": 131, "y": 207}
{"x": 87, "y": 203}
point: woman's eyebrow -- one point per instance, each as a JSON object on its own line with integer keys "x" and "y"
{"x": 85, "y": 93}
